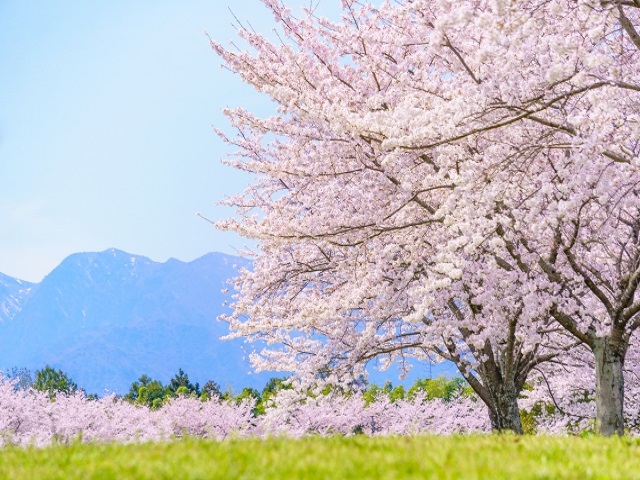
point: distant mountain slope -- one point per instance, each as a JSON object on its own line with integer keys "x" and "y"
{"x": 106, "y": 318}
{"x": 13, "y": 295}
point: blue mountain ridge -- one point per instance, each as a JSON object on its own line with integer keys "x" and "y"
{"x": 105, "y": 318}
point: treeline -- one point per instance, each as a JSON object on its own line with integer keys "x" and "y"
{"x": 48, "y": 406}
{"x": 154, "y": 394}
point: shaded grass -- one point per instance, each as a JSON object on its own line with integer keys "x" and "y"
{"x": 467, "y": 457}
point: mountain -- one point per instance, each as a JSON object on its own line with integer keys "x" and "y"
{"x": 106, "y": 318}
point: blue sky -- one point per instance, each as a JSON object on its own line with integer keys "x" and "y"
{"x": 106, "y": 111}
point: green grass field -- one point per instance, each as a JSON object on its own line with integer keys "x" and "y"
{"x": 466, "y": 457}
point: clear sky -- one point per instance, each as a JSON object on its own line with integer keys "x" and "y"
{"x": 106, "y": 111}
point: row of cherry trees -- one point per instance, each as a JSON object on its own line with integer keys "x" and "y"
{"x": 32, "y": 417}
{"x": 445, "y": 180}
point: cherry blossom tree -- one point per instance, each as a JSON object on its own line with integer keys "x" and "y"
{"x": 450, "y": 177}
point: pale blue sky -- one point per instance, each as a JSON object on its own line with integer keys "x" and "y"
{"x": 106, "y": 111}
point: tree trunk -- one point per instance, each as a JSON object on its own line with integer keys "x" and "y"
{"x": 609, "y": 388}
{"x": 504, "y": 413}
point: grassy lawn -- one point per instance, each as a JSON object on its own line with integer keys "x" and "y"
{"x": 467, "y": 457}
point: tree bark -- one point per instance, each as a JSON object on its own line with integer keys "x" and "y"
{"x": 504, "y": 413}
{"x": 609, "y": 387}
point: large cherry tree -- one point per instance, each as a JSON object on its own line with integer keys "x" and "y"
{"x": 424, "y": 152}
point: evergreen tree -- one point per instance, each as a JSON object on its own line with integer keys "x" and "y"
{"x": 53, "y": 381}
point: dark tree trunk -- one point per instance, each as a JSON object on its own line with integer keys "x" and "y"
{"x": 504, "y": 413}
{"x": 609, "y": 387}
{"x": 498, "y": 383}
{"x": 500, "y": 373}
